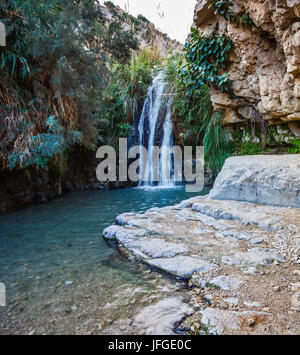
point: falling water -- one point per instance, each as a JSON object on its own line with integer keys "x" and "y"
{"x": 167, "y": 143}
{"x": 148, "y": 128}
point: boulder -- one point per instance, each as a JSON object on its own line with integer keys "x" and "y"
{"x": 264, "y": 179}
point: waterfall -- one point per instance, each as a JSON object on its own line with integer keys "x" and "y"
{"x": 153, "y": 133}
{"x": 167, "y": 144}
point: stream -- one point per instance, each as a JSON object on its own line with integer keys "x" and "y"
{"x": 62, "y": 277}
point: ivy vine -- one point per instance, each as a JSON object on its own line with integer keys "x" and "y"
{"x": 206, "y": 57}
{"x": 222, "y": 7}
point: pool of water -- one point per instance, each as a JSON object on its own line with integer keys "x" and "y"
{"x": 62, "y": 277}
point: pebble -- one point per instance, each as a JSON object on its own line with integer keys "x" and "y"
{"x": 101, "y": 326}
{"x": 296, "y": 301}
{"x": 250, "y": 271}
{"x": 251, "y": 322}
{"x": 232, "y": 301}
{"x": 257, "y": 240}
{"x": 68, "y": 283}
{"x": 223, "y": 305}
{"x": 296, "y": 286}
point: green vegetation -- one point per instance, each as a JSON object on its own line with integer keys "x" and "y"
{"x": 125, "y": 94}
{"x": 193, "y": 111}
{"x": 69, "y": 77}
{"x": 222, "y": 7}
{"x": 215, "y": 144}
{"x": 53, "y": 75}
{"x": 143, "y": 19}
{"x": 295, "y": 146}
{"x": 206, "y": 57}
{"x": 247, "y": 140}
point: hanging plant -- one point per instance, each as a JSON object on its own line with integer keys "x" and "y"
{"x": 207, "y": 57}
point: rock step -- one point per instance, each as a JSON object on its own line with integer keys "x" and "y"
{"x": 238, "y": 257}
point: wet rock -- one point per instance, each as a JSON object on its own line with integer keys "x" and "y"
{"x": 125, "y": 236}
{"x": 194, "y": 241}
{"x": 160, "y": 318}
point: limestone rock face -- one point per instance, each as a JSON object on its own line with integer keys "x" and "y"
{"x": 266, "y": 179}
{"x": 146, "y": 32}
{"x": 265, "y": 61}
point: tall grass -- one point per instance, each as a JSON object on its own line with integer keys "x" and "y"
{"x": 127, "y": 91}
{"x": 194, "y": 116}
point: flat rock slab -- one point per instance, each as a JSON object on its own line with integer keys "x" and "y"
{"x": 161, "y": 318}
{"x": 183, "y": 266}
{"x": 158, "y": 248}
{"x": 255, "y": 256}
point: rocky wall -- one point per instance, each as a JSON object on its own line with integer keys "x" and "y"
{"x": 264, "y": 64}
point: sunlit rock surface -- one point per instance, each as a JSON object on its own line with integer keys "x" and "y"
{"x": 242, "y": 259}
{"x": 266, "y": 179}
{"x": 265, "y": 61}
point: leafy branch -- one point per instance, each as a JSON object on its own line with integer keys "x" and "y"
{"x": 206, "y": 57}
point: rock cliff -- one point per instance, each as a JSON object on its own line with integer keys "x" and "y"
{"x": 264, "y": 64}
{"x": 146, "y": 32}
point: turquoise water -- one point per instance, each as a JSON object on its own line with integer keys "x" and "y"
{"x": 60, "y": 274}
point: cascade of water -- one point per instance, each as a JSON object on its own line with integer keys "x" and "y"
{"x": 167, "y": 144}
{"x": 147, "y": 128}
